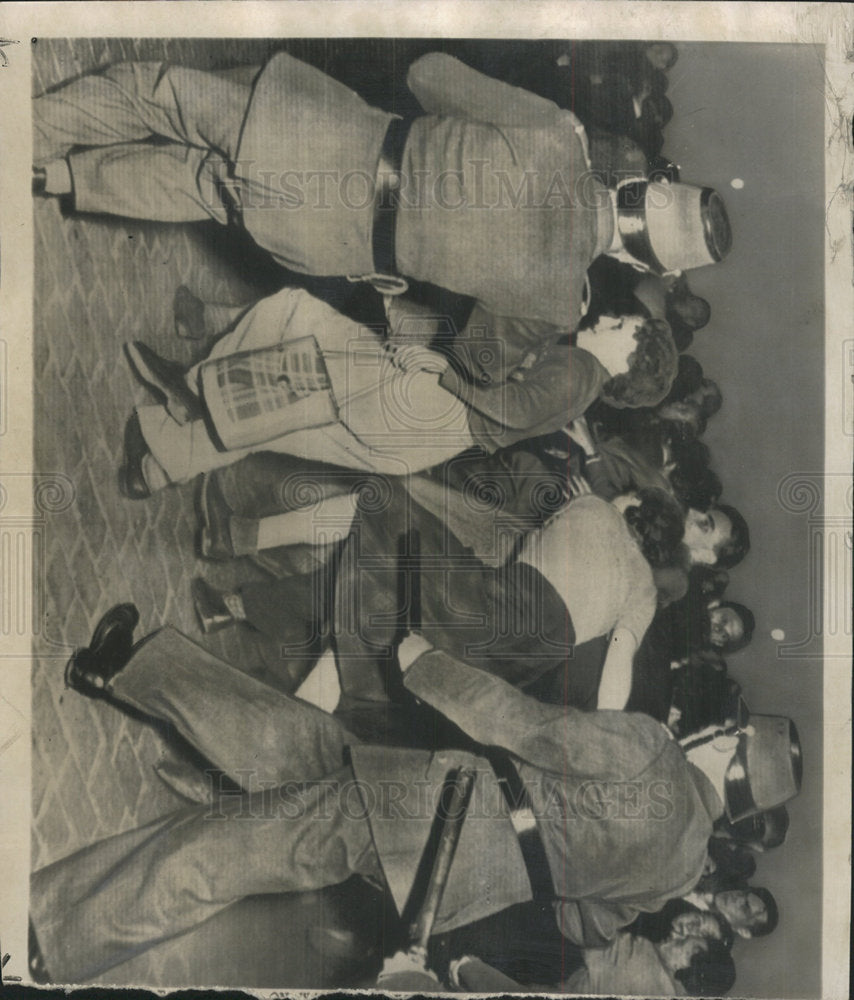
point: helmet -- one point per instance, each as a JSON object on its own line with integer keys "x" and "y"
{"x": 672, "y": 226}
{"x": 766, "y": 768}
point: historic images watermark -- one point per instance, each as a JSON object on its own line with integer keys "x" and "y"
{"x": 27, "y": 503}
{"x": 829, "y": 563}
{"x": 546, "y": 799}
{"x": 476, "y": 185}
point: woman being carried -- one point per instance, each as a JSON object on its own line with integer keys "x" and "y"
{"x": 295, "y": 376}
{"x": 585, "y": 573}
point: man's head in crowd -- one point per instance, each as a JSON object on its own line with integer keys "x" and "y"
{"x": 707, "y": 396}
{"x": 661, "y": 55}
{"x": 638, "y": 354}
{"x": 702, "y": 965}
{"x": 731, "y": 626}
{"x": 750, "y": 912}
{"x": 693, "y": 310}
{"x": 657, "y": 111}
{"x": 700, "y": 923}
{"x": 719, "y": 537}
{"x": 710, "y": 581}
{"x": 684, "y": 419}
{"x": 761, "y": 832}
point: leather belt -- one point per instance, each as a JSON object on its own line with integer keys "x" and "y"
{"x": 387, "y": 195}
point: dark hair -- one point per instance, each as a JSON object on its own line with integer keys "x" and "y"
{"x": 727, "y": 933}
{"x": 686, "y": 306}
{"x": 683, "y": 335}
{"x": 778, "y": 816}
{"x": 689, "y": 378}
{"x": 693, "y": 455}
{"x": 661, "y": 168}
{"x": 693, "y": 482}
{"x": 652, "y": 368}
{"x": 701, "y": 492}
{"x": 711, "y": 661}
{"x": 734, "y": 863}
{"x": 754, "y": 829}
{"x": 710, "y": 581}
{"x": 659, "y": 523}
{"x": 677, "y": 431}
{"x": 673, "y": 56}
{"x": 711, "y": 972}
{"x": 772, "y": 913}
{"x": 778, "y": 819}
{"x": 648, "y": 136}
{"x": 748, "y": 622}
{"x": 657, "y": 110}
{"x": 711, "y": 399}
{"x": 736, "y": 547}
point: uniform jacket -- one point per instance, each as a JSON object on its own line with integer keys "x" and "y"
{"x": 623, "y": 816}
{"x": 496, "y": 200}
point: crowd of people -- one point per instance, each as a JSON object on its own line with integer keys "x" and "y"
{"x": 489, "y": 496}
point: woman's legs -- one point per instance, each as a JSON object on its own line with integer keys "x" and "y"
{"x": 181, "y": 450}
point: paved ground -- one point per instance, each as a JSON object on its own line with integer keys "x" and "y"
{"x": 99, "y": 283}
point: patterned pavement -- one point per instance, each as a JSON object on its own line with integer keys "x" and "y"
{"x": 101, "y": 282}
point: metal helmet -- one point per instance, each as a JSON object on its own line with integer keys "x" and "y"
{"x": 672, "y": 226}
{"x": 766, "y": 769}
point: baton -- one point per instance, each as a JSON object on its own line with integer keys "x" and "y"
{"x": 413, "y": 623}
{"x": 422, "y": 926}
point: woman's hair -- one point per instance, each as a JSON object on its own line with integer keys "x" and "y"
{"x": 691, "y": 456}
{"x": 694, "y": 484}
{"x": 652, "y": 368}
{"x": 709, "y": 581}
{"x": 659, "y": 524}
{"x": 711, "y": 973}
{"x": 700, "y": 492}
{"x": 689, "y": 378}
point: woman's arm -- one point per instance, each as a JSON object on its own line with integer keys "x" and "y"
{"x": 616, "y": 683}
{"x": 564, "y": 382}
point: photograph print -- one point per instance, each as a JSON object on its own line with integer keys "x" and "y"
{"x": 434, "y": 435}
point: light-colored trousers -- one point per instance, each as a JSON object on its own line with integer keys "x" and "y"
{"x": 297, "y": 827}
{"x": 115, "y": 110}
{"x": 390, "y": 422}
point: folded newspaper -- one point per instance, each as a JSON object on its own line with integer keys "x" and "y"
{"x": 256, "y": 396}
